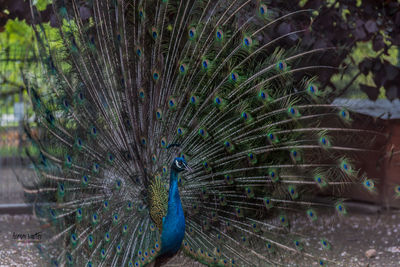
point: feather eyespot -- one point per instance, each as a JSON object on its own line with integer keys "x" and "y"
{"x": 81, "y": 96}
{"x": 118, "y": 184}
{"x": 192, "y": 32}
{"x": 201, "y": 132}
{"x": 205, "y": 64}
{"x": 172, "y": 103}
{"x": 234, "y": 76}
{"x": 79, "y": 142}
{"x": 312, "y": 89}
{"x": 69, "y": 258}
{"x": 61, "y": 187}
{"x": 85, "y": 180}
{"x": 320, "y": 180}
{"x": 262, "y": 95}
{"x": 95, "y": 218}
{"x": 142, "y": 93}
{"x": 340, "y": 209}
{"x": 281, "y": 66}
{"x": 110, "y": 157}
{"x": 344, "y": 115}
{"x": 369, "y": 184}
{"x": 73, "y": 237}
{"x": 143, "y": 141}
{"x": 182, "y": 68}
{"x": 66, "y": 103}
{"x": 180, "y": 131}
{"x": 263, "y": 9}
{"x": 93, "y": 130}
{"x": 271, "y": 136}
{"x": 397, "y": 189}
{"x": 141, "y": 13}
{"x": 159, "y": 114}
{"x": 325, "y": 244}
{"x": 163, "y": 142}
{"x": 311, "y": 214}
{"x": 156, "y": 76}
{"x": 219, "y": 34}
{"x": 154, "y": 33}
{"x": 247, "y": 41}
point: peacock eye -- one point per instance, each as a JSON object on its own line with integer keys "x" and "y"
{"x": 178, "y": 164}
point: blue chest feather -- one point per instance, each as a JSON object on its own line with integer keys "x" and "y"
{"x": 174, "y": 222}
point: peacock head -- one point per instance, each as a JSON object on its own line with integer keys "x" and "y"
{"x": 179, "y": 164}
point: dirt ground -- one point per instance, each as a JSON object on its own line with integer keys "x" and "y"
{"x": 351, "y": 238}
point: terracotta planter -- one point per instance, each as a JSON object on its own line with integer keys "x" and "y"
{"x": 383, "y": 167}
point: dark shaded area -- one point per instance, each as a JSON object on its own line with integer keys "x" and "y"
{"x": 343, "y": 25}
{"x": 20, "y": 9}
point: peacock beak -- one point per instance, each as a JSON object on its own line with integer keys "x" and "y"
{"x": 187, "y": 167}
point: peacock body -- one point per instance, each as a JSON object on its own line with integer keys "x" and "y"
{"x": 173, "y": 222}
{"x": 191, "y": 125}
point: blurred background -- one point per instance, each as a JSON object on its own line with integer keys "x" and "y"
{"x": 366, "y": 35}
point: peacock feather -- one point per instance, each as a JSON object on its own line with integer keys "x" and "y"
{"x": 192, "y": 125}
{"x": 158, "y": 201}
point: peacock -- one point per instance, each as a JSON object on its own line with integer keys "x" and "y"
{"x": 192, "y": 127}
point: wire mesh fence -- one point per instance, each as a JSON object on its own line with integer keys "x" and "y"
{"x": 11, "y": 165}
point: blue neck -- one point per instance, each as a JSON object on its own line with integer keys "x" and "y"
{"x": 173, "y": 229}
{"x": 173, "y": 196}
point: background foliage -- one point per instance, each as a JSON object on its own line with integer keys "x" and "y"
{"x": 367, "y": 33}
{"x": 364, "y": 33}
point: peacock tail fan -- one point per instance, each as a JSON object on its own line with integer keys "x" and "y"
{"x": 124, "y": 79}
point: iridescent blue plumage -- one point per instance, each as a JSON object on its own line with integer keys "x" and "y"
{"x": 173, "y": 229}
